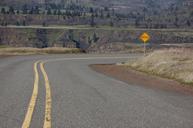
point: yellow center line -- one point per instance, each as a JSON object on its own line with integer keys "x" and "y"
{"x": 47, "y": 118}
{"x": 28, "y": 116}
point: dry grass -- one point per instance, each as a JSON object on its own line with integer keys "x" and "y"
{"x": 31, "y": 51}
{"x": 173, "y": 63}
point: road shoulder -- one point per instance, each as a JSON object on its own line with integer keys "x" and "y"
{"x": 133, "y": 77}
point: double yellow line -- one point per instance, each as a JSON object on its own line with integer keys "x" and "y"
{"x": 48, "y": 101}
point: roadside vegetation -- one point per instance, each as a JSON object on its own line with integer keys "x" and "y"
{"x": 174, "y": 64}
{"x": 31, "y": 51}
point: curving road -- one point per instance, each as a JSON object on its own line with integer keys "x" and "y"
{"x": 61, "y": 91}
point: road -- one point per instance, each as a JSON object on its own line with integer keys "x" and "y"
{"x": 61, "y": 91}
{"x": 87, "y": 27}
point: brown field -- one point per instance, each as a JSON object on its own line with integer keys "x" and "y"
{"x": 31, "y": 51}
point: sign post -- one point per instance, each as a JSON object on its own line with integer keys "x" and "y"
{"x": 145, "y": 38}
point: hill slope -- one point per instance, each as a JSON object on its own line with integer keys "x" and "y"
{"x": 120, "y": 4}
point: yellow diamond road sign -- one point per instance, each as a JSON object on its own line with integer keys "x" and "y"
{"x": 145, "y": 37}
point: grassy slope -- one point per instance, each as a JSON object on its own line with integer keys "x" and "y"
{"x": 174, "y": 64}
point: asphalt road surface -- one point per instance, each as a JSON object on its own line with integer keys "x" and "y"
{"x": 61, "y": 91}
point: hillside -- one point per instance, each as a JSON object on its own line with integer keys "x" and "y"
{"x": 116, "y": 4}
{"x": 93, "y": 40}
{"x": 111, "y": 15}
{"x": 136, "y": 13}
